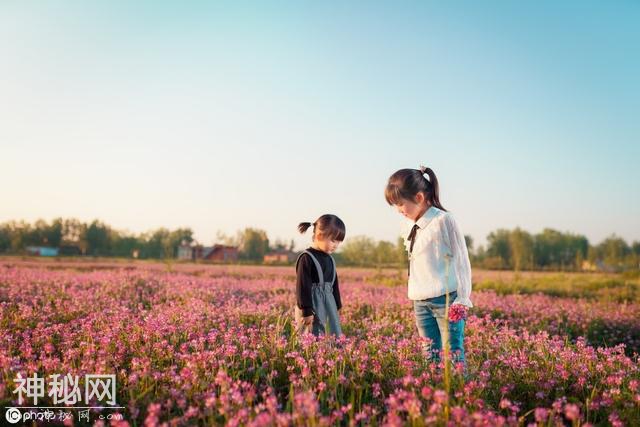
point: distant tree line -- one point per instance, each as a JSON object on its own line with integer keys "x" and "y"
{"x": 506, "y": 249}
{"x": 514, "y": 249}
{"x": 96, "y": 238}
{"x": 550, "y": 249}
{"x": 73, "y": 237}
{"x": 364, "y": 251}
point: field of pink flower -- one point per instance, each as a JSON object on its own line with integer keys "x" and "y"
{"x": 193, "y": 346}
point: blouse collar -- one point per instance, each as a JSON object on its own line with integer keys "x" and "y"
{"x": 426, "y": 218}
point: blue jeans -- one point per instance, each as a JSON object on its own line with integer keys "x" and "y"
{"x": 431, "y": 322}
{"x": 326, "y": 310}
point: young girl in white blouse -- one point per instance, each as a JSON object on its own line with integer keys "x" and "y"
{"x": 439, "y": 268}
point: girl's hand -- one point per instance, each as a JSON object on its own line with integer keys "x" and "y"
{"x": 307, "y": 320}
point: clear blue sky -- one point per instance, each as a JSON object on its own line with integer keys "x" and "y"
{"x": 226, "y": 115}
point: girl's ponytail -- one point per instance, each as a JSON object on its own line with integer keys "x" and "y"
{"x": 434, "y": 186}
{"x": 405, "y": 184}
{"x": 328, "y": 226}
{"x": 304, "y": 226}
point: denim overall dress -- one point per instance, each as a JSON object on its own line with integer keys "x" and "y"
{"x": 325, "y": 312}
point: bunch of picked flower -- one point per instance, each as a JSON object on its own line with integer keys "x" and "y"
{"x": 457, "y": 312}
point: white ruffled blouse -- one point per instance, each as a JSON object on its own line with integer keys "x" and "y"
{"x": 439, "y": 262}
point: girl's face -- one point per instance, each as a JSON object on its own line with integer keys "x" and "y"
{"x": 413, "y": 209}
{"x": 325, "y": 245}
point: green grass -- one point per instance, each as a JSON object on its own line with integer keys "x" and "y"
{"x": 618, "y": 288}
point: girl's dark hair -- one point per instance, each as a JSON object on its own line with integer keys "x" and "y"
{"x": 405, "y": 184}
{"x": 328, "y": 226}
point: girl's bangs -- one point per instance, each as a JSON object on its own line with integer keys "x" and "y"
{"x": 333, "y": 233}
{"x": 393, "y": 194}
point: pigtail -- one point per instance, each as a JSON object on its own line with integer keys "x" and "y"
{"x": 327, "y": 226}
{"x": 304, "y": 226}
{"x": 434, "y": 187}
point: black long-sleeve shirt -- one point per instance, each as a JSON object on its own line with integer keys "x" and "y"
{"x": 307, "y": 274}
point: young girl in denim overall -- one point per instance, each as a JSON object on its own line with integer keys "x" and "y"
{"x": 439, "y": 268}
{"x": 317, "y": 291}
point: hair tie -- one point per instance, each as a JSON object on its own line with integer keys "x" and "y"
{"x": 423, "y": 169}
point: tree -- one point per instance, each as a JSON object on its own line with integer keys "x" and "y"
{"x": 53, "y": 233}
{"x": 468, "y": 240}
{"x": 279, "y": 245}
{"x": 34, "y": 235}
{"x": 158, "y": 244}
{"x": 19, "y": 232}
{"x": 124, "y": 246}
{"x": 401, "y": 252}
{"x": 385, "y": 254}
{"x": 634, "y": 257}
{"x": 479, "y": 255}
{"x": 498, "y": 246}
{"x": 521, "y": 248}
{"x": 178, "y": 237}
{"x": 359, "y": 250}
{"x": 579, "y": 248}
{"x": 254, "y": 244}
{"x": 553, "y": 249}
{"x": 613, "y": 251}
{"x": 5, "y": 238}
{"x": 224, "y": 239}
{"x": 74, "y": 233}
{"x": 98, "y": 239}
{"x": 547, "y": 247}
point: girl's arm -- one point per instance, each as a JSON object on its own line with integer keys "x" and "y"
{"x": 303, "y": 285}
{"x": 336, "y": 294}
{"x": 460, "y": 265}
